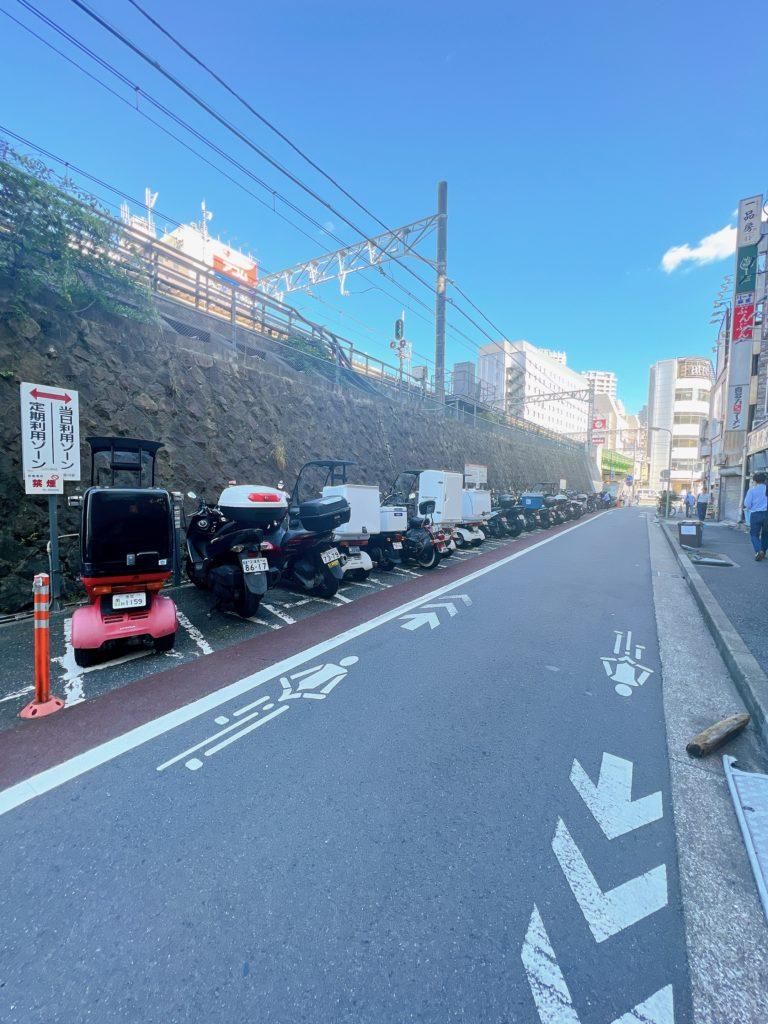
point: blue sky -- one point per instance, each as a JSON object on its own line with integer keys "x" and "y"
{"x": 580, "y": 143}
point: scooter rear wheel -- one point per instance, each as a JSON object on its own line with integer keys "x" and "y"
{"x": 326, "y": 589}
{"x": 430, "y": 560}
{"x": 165, "y": 643}
{"x": 247, "y": 604}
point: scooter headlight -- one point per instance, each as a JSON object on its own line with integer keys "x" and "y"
{"x": 237, "y": 548}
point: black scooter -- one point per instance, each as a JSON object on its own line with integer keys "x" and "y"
{"x": 224, "y": 555}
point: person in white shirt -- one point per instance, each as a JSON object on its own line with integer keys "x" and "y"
{"x": 701, "y": 503}
{"x": 756, "y": 503}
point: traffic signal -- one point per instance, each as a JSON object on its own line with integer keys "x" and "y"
{"x": 399, "y": 326}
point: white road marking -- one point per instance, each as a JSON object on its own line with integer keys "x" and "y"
{"x": 609, "y": 912}
{"x": 407, "y": 572}
{"x": 239, "y": 735}
{"x": 357, "y": 583}
{"x": 451, "y": 607}
{"x": 194, "y": 633}
{"x": 73, "y": 674}
{"x": 550, "y": 991}
{"x": 221, "y": 720}
{"x": 279, "y": 613}
{"x": 420, "y": 619}
{"x": 206, "y": 741}
{"x": 249, "y": 707}
{"x": 610, "y": 801}
{"x": 17, "y": 693}
{"x": 50, "y": 778}
{"x": 263, "y": 622}
{"x": 344, "y": 600}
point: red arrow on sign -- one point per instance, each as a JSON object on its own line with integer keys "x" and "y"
{"x": 46, "y": 394}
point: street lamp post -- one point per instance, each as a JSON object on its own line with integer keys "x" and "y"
{"x": 667, "y": 430}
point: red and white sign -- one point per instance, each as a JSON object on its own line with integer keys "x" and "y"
{"x": 743, "y": 316}
{"x": 599, "y": 424}
{"x": 50, "y": 437}
{"x": 233, "y": 264}
{"x": 598, "y": 439}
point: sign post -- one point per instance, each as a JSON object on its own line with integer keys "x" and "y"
{"x": 50, "y": 448}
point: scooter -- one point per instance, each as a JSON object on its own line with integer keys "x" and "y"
{"x": 353, "y": 537}
{"x": 513, "y": 514}
{"x": 127, "y": 548}
{"x": 224, "y": 542}
{"x": 422, "y": 542}
{"x": 301, "y": 548}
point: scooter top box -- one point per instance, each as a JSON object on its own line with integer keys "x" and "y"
{"x": 126, "y": 530}
{"x": 253, "y": 505}
{"x": 475, "y": 504}
{"x": 324, "y": 515}
{"x": 364, "y": 501}
{"x": 393, "y": 519}
{"x": 444, "y": 488}
{"x": 532, "y": 499}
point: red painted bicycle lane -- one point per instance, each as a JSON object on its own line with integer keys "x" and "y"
{"x": 33, "y": 747}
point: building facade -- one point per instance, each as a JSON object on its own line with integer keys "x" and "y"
{"x": 678, "y": 404}
{"x": 604, "y": 381}
{"x": 515, "y": 373}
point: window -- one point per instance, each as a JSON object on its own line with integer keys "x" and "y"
{"x": 684, "y": 395}
{"x": 688, "y": 418}
{"x": 685, "y": 442}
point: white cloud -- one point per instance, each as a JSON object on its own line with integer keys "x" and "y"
{"x": 711, "y": 248}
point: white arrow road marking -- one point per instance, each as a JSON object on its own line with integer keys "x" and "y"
{"x": 421, "y": 619}
{"x": 550, "y": 991}
{"x": 443, "y": 604}
{"x": 608, "y": 912}
{"x": 611, "y": 799}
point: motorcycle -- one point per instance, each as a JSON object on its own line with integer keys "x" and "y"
{"x": 422, "y": 542}
{"x": 513, "y": 514}
{"x": 127, "y": 550}
{"x": 300, "y": 548}
{"x": 224, "y": 546}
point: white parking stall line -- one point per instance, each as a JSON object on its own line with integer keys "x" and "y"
{"x": 258, "y": 621}
{"x": 17, "y": 693}
{"x": 344, "y": 600}
{"x": 357, "y": 583}
{"x": 279, "y": 613}
{"x": 51, "y": 778}
{"x": 408, "y": 572}
{"x": 194, "y": 633}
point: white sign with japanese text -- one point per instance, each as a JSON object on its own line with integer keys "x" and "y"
{"x": 750, "y": 215}
{"x": 50, "y": 437}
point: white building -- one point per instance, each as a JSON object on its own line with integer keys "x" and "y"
{"x": 678, "y": 402}
{"x": 604, "y": 381}
{"x": 516, "y": 372}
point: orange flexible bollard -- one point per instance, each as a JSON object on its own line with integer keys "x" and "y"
{"x": 44, "y": 703}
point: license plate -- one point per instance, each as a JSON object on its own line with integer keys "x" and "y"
{"x": 353, "y": 551}
{"x": 397, "y": 545}
{"x": 330, "y": 556}
{"x": 255, "y": 565}
{"x": 138, "y": 600}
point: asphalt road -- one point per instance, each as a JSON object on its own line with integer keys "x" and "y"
{"x": 400, "y": 823}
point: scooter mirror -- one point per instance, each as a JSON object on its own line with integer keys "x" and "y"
{"x": 191, "y": 494}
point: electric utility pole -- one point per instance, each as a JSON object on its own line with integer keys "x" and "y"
{"x": 441, "y": 267}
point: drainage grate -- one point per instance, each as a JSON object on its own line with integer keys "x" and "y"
{"x": 749, "y": 791}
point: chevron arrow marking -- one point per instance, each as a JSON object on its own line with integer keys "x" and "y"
{"x": 610, "y": 801}
{"x": 420, "y": 619}
{"x": 443, "y": 604}
{"x": 608, "y": 913}
{"x": 550, "y": 991}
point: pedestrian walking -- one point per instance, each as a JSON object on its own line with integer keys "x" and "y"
{"x": 690, "y": 502}
{"x": 756, "y": 503}
{"x": 702, "y": 503}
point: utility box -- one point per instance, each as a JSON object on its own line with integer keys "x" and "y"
{"x": 364, "y": 503}
{"x": 475, "y": 505}
{"x": 444, "y": 489}
{"x": 689, "y": 533}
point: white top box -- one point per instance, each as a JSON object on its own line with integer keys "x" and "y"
{"x": 444, "y": 488}
{"x": 475, "y": 504}
{"x": 393, "y": 518}
{"x": 364, "y": 501}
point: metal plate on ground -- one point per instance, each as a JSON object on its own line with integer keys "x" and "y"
{"x": 749, "y": 791}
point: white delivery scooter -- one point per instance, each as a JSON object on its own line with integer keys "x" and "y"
{"x": 353, "y": 537}
{"x": 476, "y": 510}
{"x": 444, "y": 488}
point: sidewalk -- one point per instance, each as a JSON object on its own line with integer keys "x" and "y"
{"x": 740, "y": 590}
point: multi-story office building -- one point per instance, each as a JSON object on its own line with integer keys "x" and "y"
{"x": 678, "y": 404}
{"x": 515, "y": 373}
{"x": 604, "y": 381}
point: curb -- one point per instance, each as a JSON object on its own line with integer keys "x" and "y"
{"x": 750, "y": 680}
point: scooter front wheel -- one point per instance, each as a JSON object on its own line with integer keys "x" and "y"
{"x": 165, "y": 643}
{"x": 86, "y": 656}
